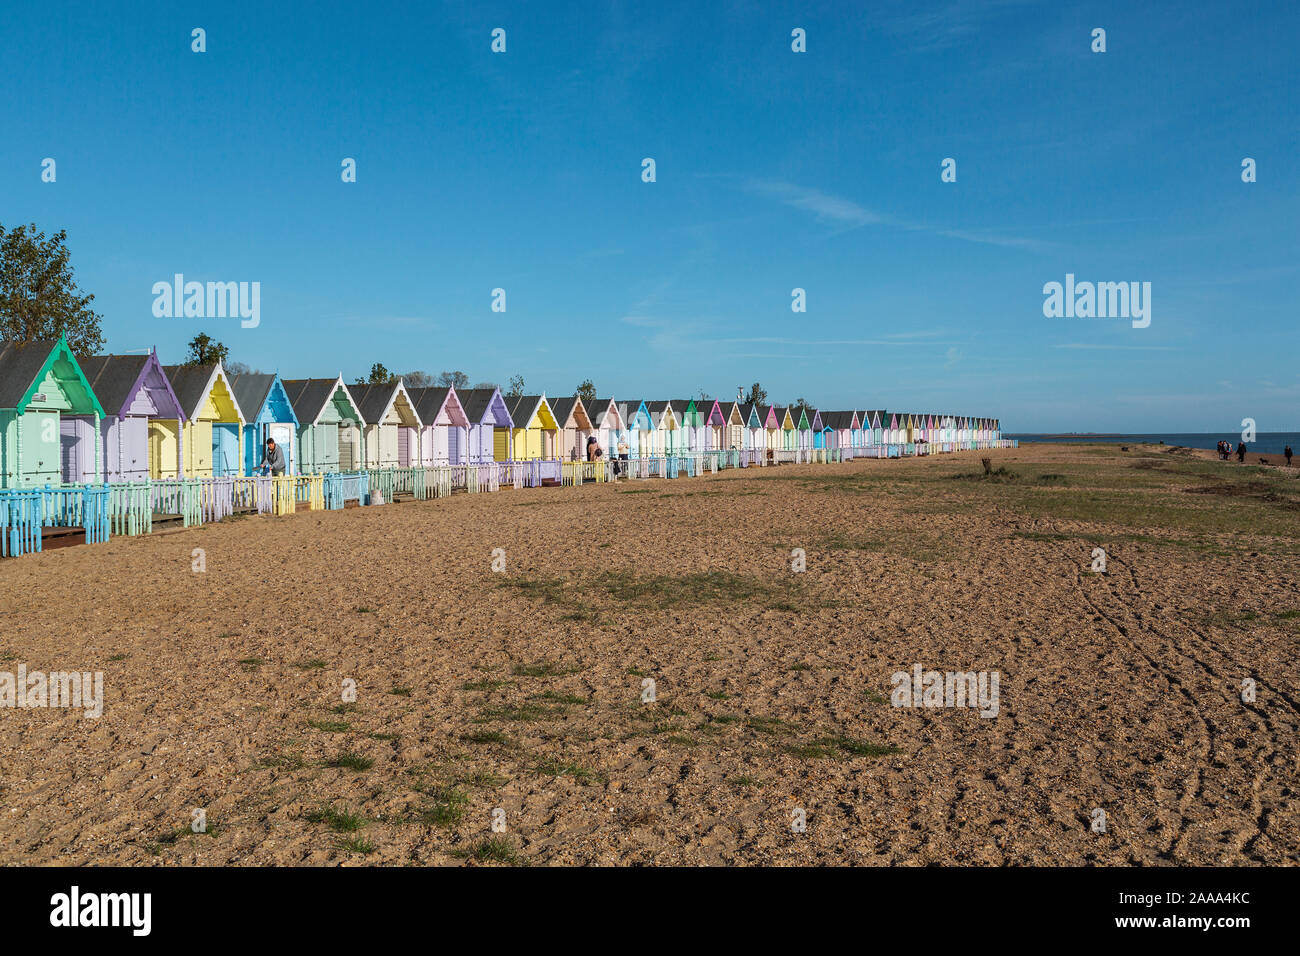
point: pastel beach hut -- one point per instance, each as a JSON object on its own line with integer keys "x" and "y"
{"x": 639, "y": 429}
{"x": 789, "y": 428}
{"x": 806, "y": 426}
{"x": 770, "y": 416}
{"x": 391, "y": 435}
{"x": 668, "y": 437}
{"x": 753, "y": 436}
{"x": 715, "y": 424}
{"x": 733, "y": 434}
{"x": 608, "y": 425}
{"x": 488, "y": 433}
{"x": 140, "y": 431}
{"x": 444, "y": 430}
{"x": 212, "y": 435}
{"x": 690, "y": 432}
{"x": 269, "y": 416}
{"x": 329, "y": 425}
{"x": 49, "y": 417}
{"x": 535, "y": 432}
{"x": 575, "y": 428}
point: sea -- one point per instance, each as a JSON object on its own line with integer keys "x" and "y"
{"x": 1265, "y": 443}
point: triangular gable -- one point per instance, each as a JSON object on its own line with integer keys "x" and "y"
{"x": 787, "y": 422}
{"x": 816, "y": 423}
{"x": 605, "y": 415}
{"x": 734, "y": 416}
{"x": 60, "y": 369}
{"x": 541, "y": 414}
{"x": 713, "y": 414}
{"x": 277, "y": 402}
{"x": 221, "y": 394}
{"x": 856, "y": 423}
{"x": 770, "y": 421}
{"x": 803, "y": 424}
{"x": 753, "y": 421}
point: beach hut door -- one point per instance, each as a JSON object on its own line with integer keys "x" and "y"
{"x": 282, "y": 432}
{"x": 69, "y": 459}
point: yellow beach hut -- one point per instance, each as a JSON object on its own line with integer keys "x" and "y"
{"x": 536, "y": 433}
{"x": 212, "y": 437}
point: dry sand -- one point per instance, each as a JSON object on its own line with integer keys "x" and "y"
{"x": 522, "y": 690}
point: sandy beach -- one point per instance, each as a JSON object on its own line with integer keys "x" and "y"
{"x": 525, "y": 691}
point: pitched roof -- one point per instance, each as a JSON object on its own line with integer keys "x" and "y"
{"x": 475, "y": 402}
{"x": 20, "y": 363}
{"x": 373, "y": 400}
{"x": 309, "y": 396}
{"x": 190, "y": 383}
{"x": 113, "y": 378}
{"x": 599, "y": 409}
{"x": 251, "y": 391}
{"x": 428, "y": 402}
{"x": 561, "y": 408}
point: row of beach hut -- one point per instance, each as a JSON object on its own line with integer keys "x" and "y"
{"x": 128, "y": 418}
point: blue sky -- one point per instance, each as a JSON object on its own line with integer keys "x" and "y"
{"x": 775, "y": 170}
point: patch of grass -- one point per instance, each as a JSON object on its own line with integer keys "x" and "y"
{"x": 349, "y": 760}
{"x": 115, "y": 657}
{"x": 521, "y": 713}
{"x": 482, "y": 777}
{"x": 340, "y": 821}
{"x": 356, "y": 844}
{"x": 717, "y": 695}
{"x": 837, "y": 746}
{"x": 743, "y": 781}
{"x": 400, "y": 691}
{"x": 250, "y": 663}
{"x": 364, "y": 610}
{"x": 770, "y": 725}
{"x": 314, "y": 663}
{"x": 494, "y": 849}
{"x": 330, "y": 726}
{"x": 448, "y": 808}
{"x": 998, "y": 475}
{"x": 798, "y": 667}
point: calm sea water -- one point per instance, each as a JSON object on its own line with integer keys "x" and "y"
{"x": 1266, "y": 443}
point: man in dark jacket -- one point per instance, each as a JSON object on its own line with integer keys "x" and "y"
{"x": 273, "y": 459}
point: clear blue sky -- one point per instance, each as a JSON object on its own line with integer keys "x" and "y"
{"x": 775, "y": 170}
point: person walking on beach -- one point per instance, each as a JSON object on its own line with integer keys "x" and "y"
{"x": 1241, "y": 451}
{"x": 273, "y": 460}
{"x": 593, "y": 449}
{"x": 1287, "y": 451}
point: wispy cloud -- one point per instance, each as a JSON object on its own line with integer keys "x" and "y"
{"x": 825, "y": 207}
{"x": 1117, "y": 348}
{"x": 846, "y": 214}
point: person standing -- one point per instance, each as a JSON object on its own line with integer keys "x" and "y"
{"x": 1287, "y": 451}
{"x": 273, "y": 460}
{"x": 1241, "y": 451}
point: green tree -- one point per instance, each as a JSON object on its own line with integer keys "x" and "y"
{"x": 587, "y": 392}
{"x": 39, "y": 298}
{"x": 204, "y": 350}
{"x": 379, "y": 375}
{"x": 757, "y": 395}
{"x": 516, "y": 387}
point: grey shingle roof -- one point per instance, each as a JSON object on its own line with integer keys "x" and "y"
{"x": 251, "y": 391}
{"x": 309, "y": 396}
{"x": 189, "y": 383}
{"x": 20, "y": 363}
{"x": 113, "y": 378}
{"x": 475, "y": 401}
